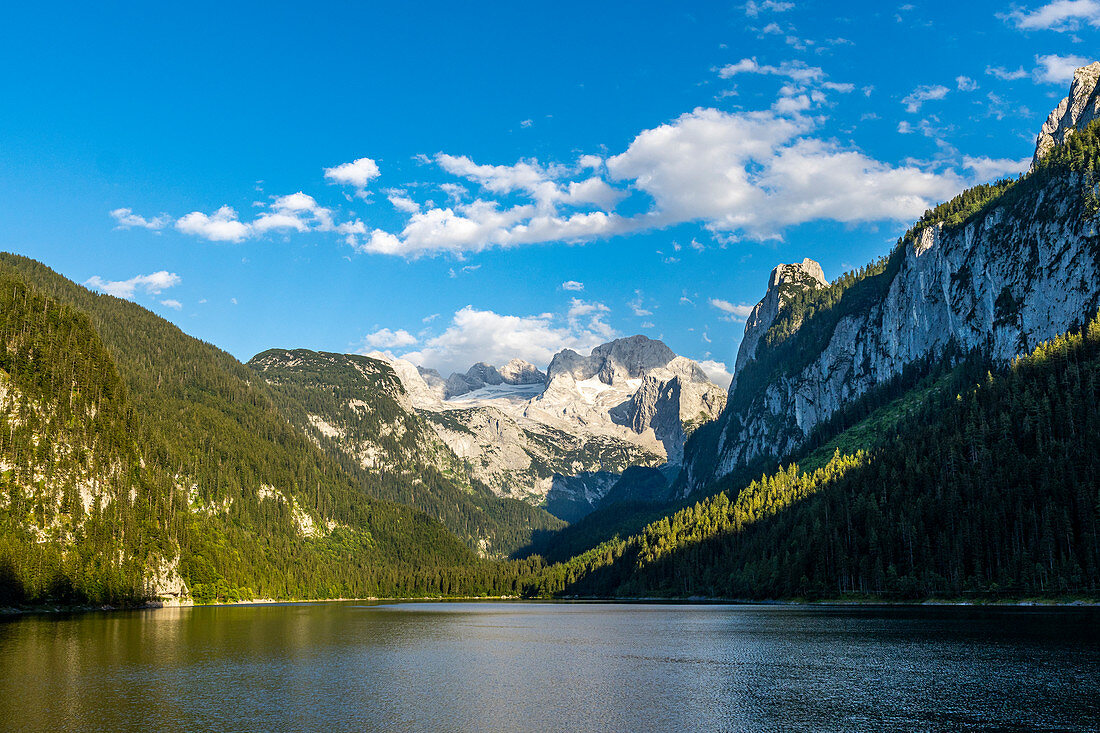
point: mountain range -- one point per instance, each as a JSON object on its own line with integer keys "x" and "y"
{"x": 925, "y": 425}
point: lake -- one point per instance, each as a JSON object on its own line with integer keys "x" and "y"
{"x": 552, "y": 666}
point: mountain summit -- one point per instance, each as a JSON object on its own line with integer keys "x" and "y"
{"x": 1076, "y": 111}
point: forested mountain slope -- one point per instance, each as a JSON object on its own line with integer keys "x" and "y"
{"x": 990, "y": 486}
{"x": 357, "y": 409}
{"x": 133, "y": 450}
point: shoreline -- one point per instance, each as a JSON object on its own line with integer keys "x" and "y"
{"x": 1064, "y": 602}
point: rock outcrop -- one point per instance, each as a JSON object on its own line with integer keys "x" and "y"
{"x": 785, "y": 281}
{"x": 1081, "y": 107}
{"x": 518, "y": 371}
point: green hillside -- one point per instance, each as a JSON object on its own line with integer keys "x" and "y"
{"x": 195, "y": 466}
{"x": 355, "y": 407}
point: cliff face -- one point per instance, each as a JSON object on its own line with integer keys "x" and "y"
{"x": 1021, "y": 269}
{"x": 783, "y": 283}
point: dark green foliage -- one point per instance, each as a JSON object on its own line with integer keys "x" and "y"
{"x": 206, "y": 437}
{"x": 64, "y": 423}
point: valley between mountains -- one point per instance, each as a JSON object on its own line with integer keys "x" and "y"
{"x": 925, "y": 426}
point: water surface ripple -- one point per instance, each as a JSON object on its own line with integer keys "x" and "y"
{"x": 552, "y": 666}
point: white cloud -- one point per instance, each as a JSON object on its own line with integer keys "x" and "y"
{"x": 794, "y": 70}
{"x": 454, "y": 191}
{"x": 753, "y": 8}
{"x": 172, "y": 303}
{"x": 221, "y": 226}
{"x": 740, "y": 174}
{"x": 572, "y": 285}
{"x": 735, "y": 313}
{"x": 401, "y": 202}
{"x": 965, "y": 84}
{"x": 594, "y": 162}
{"x": 358, "y": 173}
{"x": 991, "y": 169}
{"x": 1054, "y": 69}
{"x": 127, "y": 219}
{"x": 482, "y": 335}
{"x": 716, "y": 372}
{"x": 152, "y": 284}
{"x": 636, "y": 305}
{"x": 1004, "y": 74}
{"x": 463, "y": 270}
{"x": 1060, "y": 15}
{"x": 923, "y": 94}
{"x": 384, "y": 338}
{"x": 759, "y": 172}
{"x": 298, "y": 211}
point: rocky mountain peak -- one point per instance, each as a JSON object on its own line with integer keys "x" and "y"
{"x": 518, "y": 371}
{"x": 625, "y": 358}
{"x": 784, "y": 282}
{"x": 1081, "y": 107}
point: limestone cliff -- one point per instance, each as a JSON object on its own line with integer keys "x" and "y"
{"x": 1081, "y": 107}
{"x": 997, "y": 274}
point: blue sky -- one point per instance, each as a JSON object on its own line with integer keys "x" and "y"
{"x": 461, "y": 182}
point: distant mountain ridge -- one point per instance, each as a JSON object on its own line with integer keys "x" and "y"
{"x": 563, "y": 437}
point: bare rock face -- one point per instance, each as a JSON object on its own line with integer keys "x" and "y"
{"x": 1081, "y": 107}
{"x": 518, "y": 371}
{"x": 562, "y": 438}
{"x": 622, "y": 359}
{"x": 785, "y": 281}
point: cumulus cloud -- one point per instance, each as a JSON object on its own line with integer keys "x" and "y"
{"x": 384, "y": 338}
{"x": 744, "y": 174}
{"x": 298, "y": 211}
{"x": 172, "y": 303}
{"x": 152, "y": 284}
{"x": 358, "y": 173}
{"x": 1060, "y": 15}
{"x": 572, "y": 285}
{"x": 922, "y": 94}
{"x": 483, "y": 335}
{"x": 991, "y": 169}
{"x": 759, "y": 172}
{"x": 401, "y": 202}
{"x": 1054, "y": 69}
{"x": 731, "y": 312}
{"x": 127, "y": 219}
{"x": 717, "y": 372}
{"x": 221, "y": 226}
{"x": 999, "y": 72}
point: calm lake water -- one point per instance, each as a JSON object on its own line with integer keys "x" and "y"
{"x": 540, "y": 667}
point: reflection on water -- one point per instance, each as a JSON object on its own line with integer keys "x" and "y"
{"x": 502, "y": 666}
